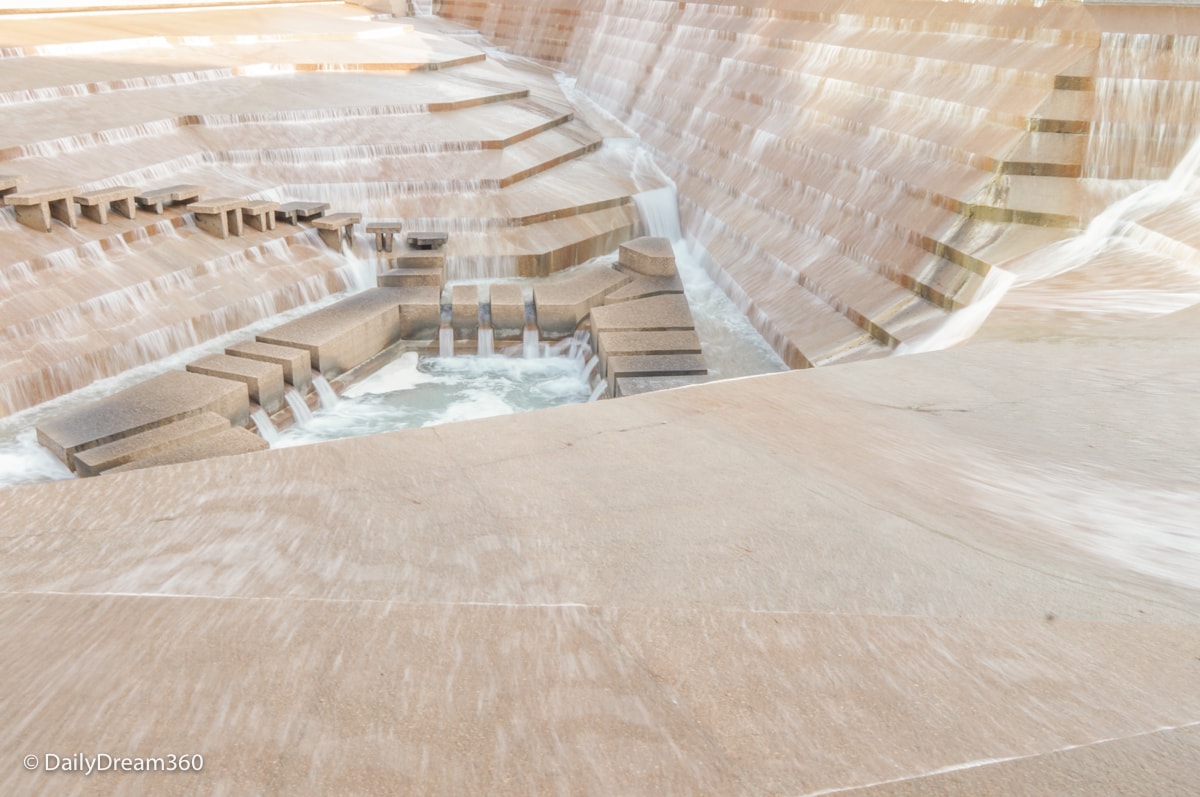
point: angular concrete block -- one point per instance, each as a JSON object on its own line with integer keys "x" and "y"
{"x": 219, "y": 217}
{"x": 295, "y": 212}
{"x": 264, "y": 379}
{"x": 345, "y": 334}
{"x": 96, "y": 204}
{"x": 260, "y": 214}
{"x": 652, "y": 257}
{"x": 385, "y": 233}
{"x": 636, "y": 385}
{"x": 296, "y": 364}
{"x": 420, "y": 312}
{"x": 35, "y": 209}
{"x": 508, "y": 306}
{"x": 622, "y": 344}
{"x": 165, "y": 398}
{"x": 644, "y": 288}
{"x": 96, "y": 460}
{"x": 426, "y": 240}
{"x": 464, "y": 301}
{"x": 564, "y": 303}
{"x": 656, "y": 313}
{"x": 337, "y": 228}
{"x": 412, "y": 259}
{"x": 157, "y": 198}
{"x": 222, "y": 444}
{"x": 653, "y": 365}
{"x": 410, "y": 278}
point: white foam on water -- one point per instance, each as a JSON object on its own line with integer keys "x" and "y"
{"x": 24, "y": 461}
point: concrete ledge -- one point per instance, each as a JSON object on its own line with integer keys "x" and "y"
{"x": 337, "y": 228}
{"x": 295, "y": 212}
{"x": 623, "y": 344}
{"x": 385, "y": 233}
{"x": 411, "y": 259}
{"x": 652, "y": 257}
{"x": 656, "y": 313}
{"x": 342, "y": 335}
{"x": 508, "y": 306}
{"x": 263, "y": 379}
{"x": 96, "y": 460}
{"x": 644, "y": 288}
{"x": 222, "y": 444}
{"x": 420, "y": 312}
{"x": 165, "y": 398}
{"x": 653, "y": 365}
{"x": 220, "y": 217}
{"x": 260, "y": 214}
{"x": 411, "y": 278}
{"x": 562, "y": 305}
{"x": 637, "y": 385}
{"x": 35, "y": 209}
{"x": 296, "y": 364}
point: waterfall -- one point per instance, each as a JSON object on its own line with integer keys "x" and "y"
{"x": 325, "y": 392}
{"x": 487, "y": 344}
{"x": 598, "y": 391}
{"x": 446, "y": 341}
{"x": 301, "y": 414}
{"x": 266, "y": 429}
{"x": 530, "y": 349}
{"x": 659, "y": 211}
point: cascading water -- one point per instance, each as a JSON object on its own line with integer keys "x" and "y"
{"x": 264, "y": 425}
{"x": 301, "y": 414}
{"x": 325, "y": 392}
{"x": 446, "y": 341}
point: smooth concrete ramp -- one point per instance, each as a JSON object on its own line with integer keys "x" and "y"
{"x": 890, "y": 578}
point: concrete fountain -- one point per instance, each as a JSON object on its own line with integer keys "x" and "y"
{"x": 969, "y": 570}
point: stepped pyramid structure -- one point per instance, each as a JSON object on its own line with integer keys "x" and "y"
{"x": 975, "y": 570}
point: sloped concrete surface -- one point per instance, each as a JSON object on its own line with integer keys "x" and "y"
{"x": 897, "y": 577}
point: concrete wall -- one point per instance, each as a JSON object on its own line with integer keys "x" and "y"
{"x": 855, "y": 169}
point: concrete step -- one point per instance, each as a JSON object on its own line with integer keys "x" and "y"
{"x": 95, "y": 461}
{"x": 223, "y": 444}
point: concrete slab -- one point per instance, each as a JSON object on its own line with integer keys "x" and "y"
{"x": 645, "y": 287}
{"x": 656, "y": 313}
{"x": 219, "y": 216}
{"x": 223, "y": 444}
{"x": 95, "y": 461}
{"x": 156, "y": 199}
{"x": 95, "y": 204}
{"x": 344, "y": 334}
{"x": 413, "y": 259}
{"x": 617, "y": 367}
{"x": 611, "y": 343}
{"x": 508, "y": 306}
{"x": 420, "y": 312}
{"x": 295, "y": 362}
{"x": 295, "y": 212}
{"x": 35, "y": 209}
{"x": 260, "y": 214}
{"x": 411, "y": 278}
{"x": 385, "y": 233}
{"x": 264, "y": 379}
{"x": 163, "y": 399}
{"x": 649, "y": 256}
{"x": 464, "y": 303}
{"x": 337, "y": 228}
{"x": 563, "y": 304}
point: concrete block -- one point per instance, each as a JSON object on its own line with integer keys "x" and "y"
{"x": 621, "y": 344}
{"x": 410, "y": 278}
{"x": 636, "y": 385}
{"x": 157, "y": 198}
{"x": 96, "y": 204}
{"x": 644, "y": 288}
{"x": 35, "y": 209}
{"x": 260, "y": 214}
{"x": 653, "y": 365}
{"x": 563, "y": 304}
{"x": 222, "y": 444}
{"x": 165, "y": 398}
{"x": 95, "y": 461}
{"x": 508, "y": 306}
{"x": 427, "y": 240}
{"x": 420, "y": 312}
{"x": 219, "y": 217}
{"x": 385, "y": 233}
{"x": 464, "y": 301}
{"x": 337, "y": 228}
{"x": 295, "y": 212}
{"x": 264, "y": 379}
{"x": 296, "y": 364}
{"x": 656, "y": 313}
{"x": 652, "y": 257}
{"x": 345, "y": 334}
{"x": 410, "y": 259}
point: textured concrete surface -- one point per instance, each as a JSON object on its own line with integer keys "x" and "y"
{"x": 347, "y": 332}
{"x": 562, "y": 305}
{"x": 648, "y": 256}
{"x": 159, "y": 400}
{"x": 660, "y": 313}
{"x": 296, "y": 365}
{"x": 264, "y": 379}
{"x": 508, "y": 306}
{"x": 95, "y": 461}
{"x": 225, "y": 443}
{"x": 880, "y": 577}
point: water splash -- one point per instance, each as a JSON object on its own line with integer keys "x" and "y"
{"x": 264, "y": 425}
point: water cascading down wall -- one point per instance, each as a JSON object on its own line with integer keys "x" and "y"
{"x": 856, "y": 170}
